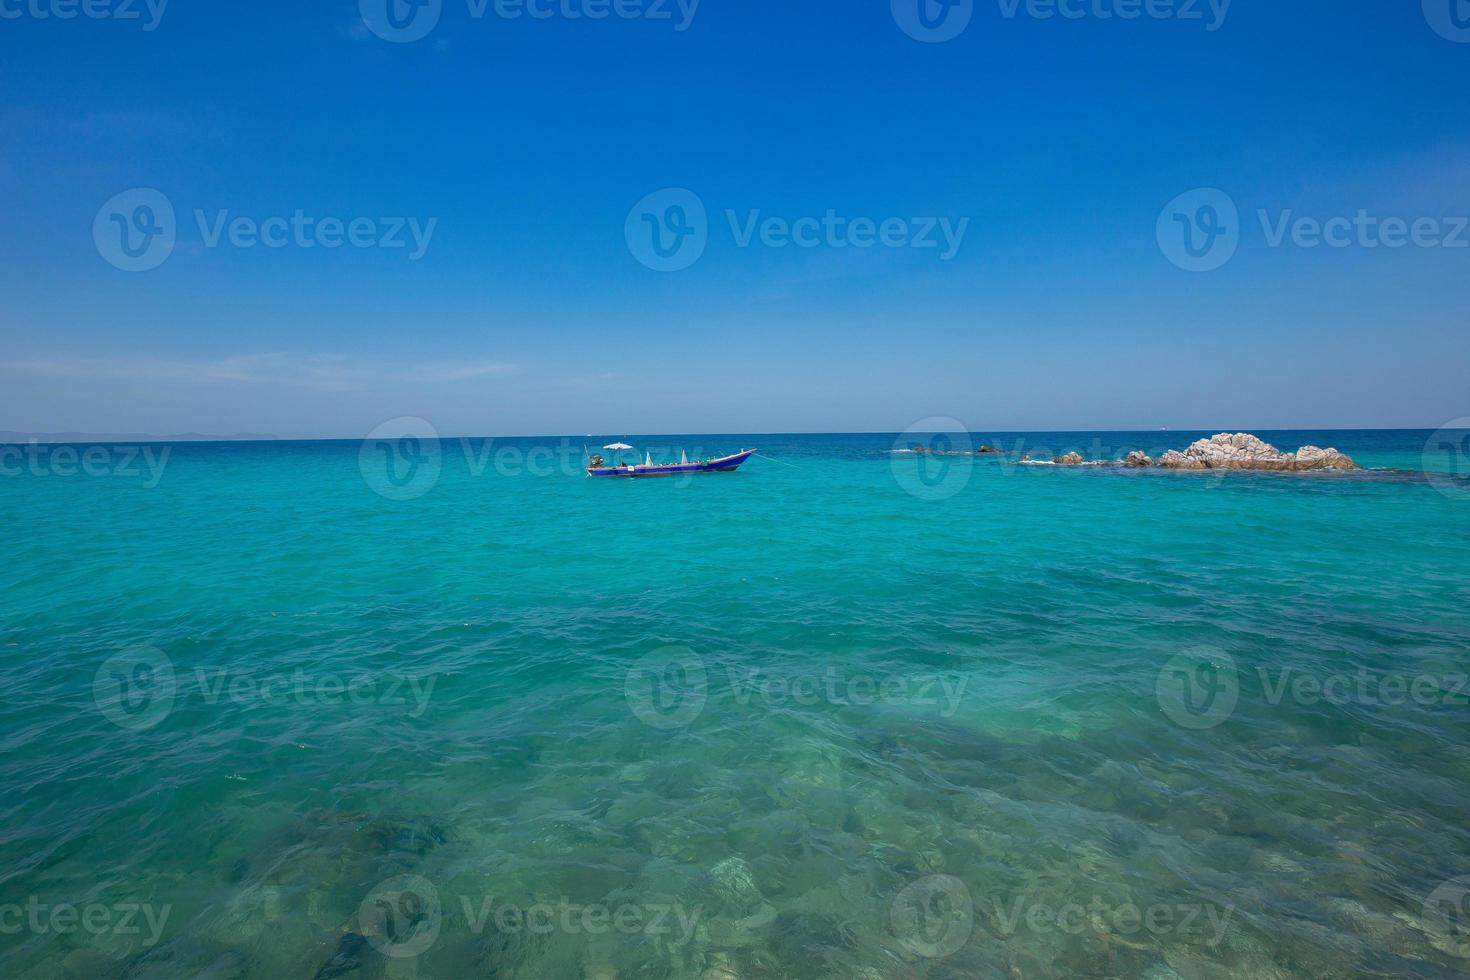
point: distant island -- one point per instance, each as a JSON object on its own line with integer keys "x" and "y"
{"x": 74, "y": 437}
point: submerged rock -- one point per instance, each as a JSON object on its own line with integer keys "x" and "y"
{"x": 354, "y": 956}
{"x": 1242, "y": 451}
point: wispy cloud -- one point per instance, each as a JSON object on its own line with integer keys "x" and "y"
{"x": 330, "y": 372}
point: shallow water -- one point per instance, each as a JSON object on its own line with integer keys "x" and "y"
{"x": 849, "y": 714}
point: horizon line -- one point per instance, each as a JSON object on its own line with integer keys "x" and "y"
{"x": 78, "y": 438}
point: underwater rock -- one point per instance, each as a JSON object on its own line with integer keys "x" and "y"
{"x": 416, "y": 836}
{"x": 728, "y": 932}
{"x": 352, "y": 954}
{"x": 735, "y": 883}
{"x": 1242, "y": 451}
{"x": 187, "y": 958}
{"x": 721, "y": 967}
{"x": 744, "y": 914}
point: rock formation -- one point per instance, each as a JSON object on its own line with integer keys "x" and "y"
{"x": 1070, "y": 459}
{"x": 1242, "y": 451}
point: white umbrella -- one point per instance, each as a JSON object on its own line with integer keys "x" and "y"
{"x": 618, "y": 446}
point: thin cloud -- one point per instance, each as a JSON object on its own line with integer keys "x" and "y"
{"x": 327, "y": 372}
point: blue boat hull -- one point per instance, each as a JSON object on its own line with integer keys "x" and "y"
{"x": 724, "y": 464}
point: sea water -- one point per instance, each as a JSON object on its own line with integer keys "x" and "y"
{"x": 455, "y": 710}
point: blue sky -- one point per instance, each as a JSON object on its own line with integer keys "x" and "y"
{"x": 527, "y": 142}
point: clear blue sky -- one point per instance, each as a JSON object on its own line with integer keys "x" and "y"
{"x": 529, "y": 140}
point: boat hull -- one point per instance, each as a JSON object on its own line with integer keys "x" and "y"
{"x": 725, "y": 464}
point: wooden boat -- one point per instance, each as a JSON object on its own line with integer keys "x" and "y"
{"x": 724, "y": 464}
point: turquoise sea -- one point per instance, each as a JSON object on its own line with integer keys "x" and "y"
{"x": 452, "y": 710}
